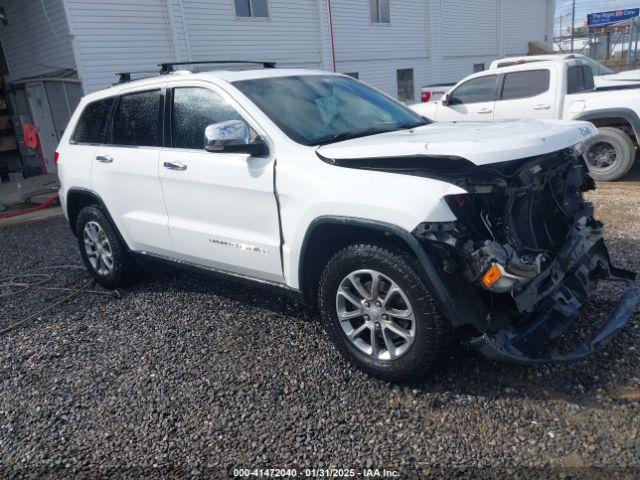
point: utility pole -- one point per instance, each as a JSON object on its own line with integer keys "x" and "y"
{"x": 632, "y": 29}
{"x": 635, "y": 52}
{"x": 573, "y": 23}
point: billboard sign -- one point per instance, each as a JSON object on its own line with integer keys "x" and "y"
{"x": 604, "y": 19}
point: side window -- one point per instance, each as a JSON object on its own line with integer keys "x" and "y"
{"x": 193, "y": 109}
{"x": 525, "y": 84}
{"x": 579, "y": 79}
{"x": 477, "y": 90}
{"x": 92, "y": 122}
{"x": 137, "y": 119}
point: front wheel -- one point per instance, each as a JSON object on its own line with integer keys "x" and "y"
{"x": 377, "y": 310}
{"x": 610, "y": 154}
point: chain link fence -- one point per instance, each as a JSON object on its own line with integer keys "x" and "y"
{"x": 614, "y": 47}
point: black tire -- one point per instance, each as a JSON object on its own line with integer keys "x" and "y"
{"x": 615, "y": 140}
{"x": 124, "y": 270}
{"x": 432, "y": 331}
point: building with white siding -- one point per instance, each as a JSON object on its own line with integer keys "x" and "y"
{"x": 394, "y": 45}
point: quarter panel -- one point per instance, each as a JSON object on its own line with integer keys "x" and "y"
{"x": 74, "y": 168}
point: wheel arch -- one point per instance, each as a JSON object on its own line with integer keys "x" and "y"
{"x": 612, "y": 117}
{"x": 326, "y": 235}
{"x": 79, "y": 198}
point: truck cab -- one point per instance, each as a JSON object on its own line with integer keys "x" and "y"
{"x": 604, "y": 78}
{"x": 540, "y": 90}
{"x": 561, "y": 89}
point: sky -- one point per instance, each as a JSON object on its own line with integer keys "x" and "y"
{"x": 583, "y": 7}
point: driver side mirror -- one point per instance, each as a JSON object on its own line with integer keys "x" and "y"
{"x": 445, "y": 100}
{"x": 233, "y": 136}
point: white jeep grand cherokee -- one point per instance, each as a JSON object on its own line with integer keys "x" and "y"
{"x": 322, "y": 187}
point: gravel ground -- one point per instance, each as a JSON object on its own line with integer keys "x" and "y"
{"x": 184, "y": 375}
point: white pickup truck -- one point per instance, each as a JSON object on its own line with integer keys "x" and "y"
{"x": 434, "y": 92}
{"x": 554, "y": 89}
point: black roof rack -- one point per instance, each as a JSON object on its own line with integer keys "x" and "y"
{"x": 168, "y": 67}
{"x": 124, "y": 77}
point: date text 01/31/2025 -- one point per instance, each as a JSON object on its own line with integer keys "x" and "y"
{"x": 315, "y": 473}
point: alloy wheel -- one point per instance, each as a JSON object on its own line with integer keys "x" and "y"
{"x": 375, "y": 314}
{"x": 601, "y": 156}
{"x": 98, "y": 248}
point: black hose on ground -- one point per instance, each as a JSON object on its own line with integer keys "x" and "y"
{"x": 16, "y": 284}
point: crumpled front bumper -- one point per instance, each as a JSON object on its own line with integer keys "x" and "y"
{"x": 553, "y": 301}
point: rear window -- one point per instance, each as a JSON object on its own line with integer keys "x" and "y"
{"x": 525, "y": 84}
{"x": 137, "y": 119}
{"x": 92, "y": 123}
{"x": 579, "y": 79}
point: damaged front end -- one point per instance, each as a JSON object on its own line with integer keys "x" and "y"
{"x": 525, "y": 237}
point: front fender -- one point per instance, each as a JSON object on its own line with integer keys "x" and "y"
{"x": 625, "y": 113}
{"x": 447, "y": 290}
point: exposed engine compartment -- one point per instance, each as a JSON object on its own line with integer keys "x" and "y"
{"x": 516, "y": 216}
{"x": 528, "y": 241}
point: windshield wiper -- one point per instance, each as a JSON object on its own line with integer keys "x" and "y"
{"x": 340, "y": 137}
{"x": 408, "y": 126}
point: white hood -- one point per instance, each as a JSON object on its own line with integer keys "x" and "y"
{"x": 481, "y": 143}
{"x": 618, "y": 79}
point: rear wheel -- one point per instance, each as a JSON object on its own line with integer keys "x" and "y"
{"x": 102, "y": 251}
{"x": 379, "y": 313}
{"x": 610, "y": 154}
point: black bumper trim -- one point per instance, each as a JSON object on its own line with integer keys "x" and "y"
{"x": 500, "y": 346}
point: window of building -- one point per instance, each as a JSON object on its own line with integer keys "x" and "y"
{"x": 91, "y": 126}
{"x": 137, "y": 119}
{"x": 251, "y": 8}
{"x": 477, "y": 90}
{"x": 478, "y": 67}
{"x": 353, "y": 75}
{"x": 525, "y": 84}
{"x": 380, "y": 11}
{"x": 193, "y": 110}
{"x": 405, "y": 84}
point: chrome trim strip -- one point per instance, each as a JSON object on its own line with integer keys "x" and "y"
{"x": 233, "y": 276}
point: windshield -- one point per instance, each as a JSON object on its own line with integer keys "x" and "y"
{"x": 320, "y": 109}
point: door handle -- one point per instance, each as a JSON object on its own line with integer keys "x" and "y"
{"x": 178, "y": 166}
{"x": 104, "y": 159}
{"x": 542, "y": 106}
{"x": 484, "y": 111}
